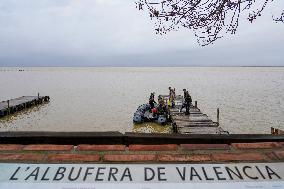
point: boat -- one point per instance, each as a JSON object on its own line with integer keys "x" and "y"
{"x": 144, "y": 114}
{"x": 193, "y": 122}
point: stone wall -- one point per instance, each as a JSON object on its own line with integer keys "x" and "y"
{"x": 164, "y": 153}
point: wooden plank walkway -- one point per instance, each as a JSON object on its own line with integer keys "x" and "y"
{"x": 195, "y": 123}
{"x": 17, "y": 104}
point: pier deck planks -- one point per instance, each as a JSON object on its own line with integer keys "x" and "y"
{"x": 20, "y": 103}
{"x": 195, "y": 123}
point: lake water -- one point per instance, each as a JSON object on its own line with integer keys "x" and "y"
{"x": 251, "y": 100}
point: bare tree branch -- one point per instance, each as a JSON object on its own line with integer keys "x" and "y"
{"x": 208, "y": 19}
{"x": 280, "y": 18}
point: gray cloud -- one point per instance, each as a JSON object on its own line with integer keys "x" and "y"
{"x": 114, "y": 33}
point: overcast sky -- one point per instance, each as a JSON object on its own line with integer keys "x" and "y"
{"x": 115, "y": 33}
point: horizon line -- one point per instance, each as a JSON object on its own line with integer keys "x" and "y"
{"x": 136, "y": 66}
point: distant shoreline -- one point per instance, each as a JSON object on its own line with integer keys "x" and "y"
{"x": 141, "y": 66}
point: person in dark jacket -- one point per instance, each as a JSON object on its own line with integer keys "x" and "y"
{"x": 187, "y": 101}
{"x": 184, "y": 92}
{"x": 152, "y": 100}
{"x": 172, "y": 96}
{"x": 162, "y": 108}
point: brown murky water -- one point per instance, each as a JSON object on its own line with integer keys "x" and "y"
{"x": 251, "y": 100}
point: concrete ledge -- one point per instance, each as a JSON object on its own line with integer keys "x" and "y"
{"x": 61, "y": 138}
{"x": 143, "y": 138}
{"x": 75, "y": 138}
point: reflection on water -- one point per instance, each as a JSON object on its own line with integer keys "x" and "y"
{"x": 149, "y": 127}
{"x": 251, "y": 100}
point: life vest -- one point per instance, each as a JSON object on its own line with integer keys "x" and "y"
{"x": 154, "y": 110}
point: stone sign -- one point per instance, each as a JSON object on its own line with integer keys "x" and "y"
{"x": 142, "y": 176}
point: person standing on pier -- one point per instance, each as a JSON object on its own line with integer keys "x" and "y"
{"x": 162, "y": 108}
{"x": 184, "y": 92}
{"x": 172, "y": 97}
{"x": 187, "y": 102}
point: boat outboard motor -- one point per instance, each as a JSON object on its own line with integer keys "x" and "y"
{"x": 162, "y": 119}
{"x": 137, "y": 118}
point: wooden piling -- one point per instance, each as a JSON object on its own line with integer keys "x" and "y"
{"x": 218, "y": 112}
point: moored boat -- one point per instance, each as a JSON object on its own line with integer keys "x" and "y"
{"x": 144, "y": 113}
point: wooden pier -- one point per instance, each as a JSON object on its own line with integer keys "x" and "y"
{"x": 14, "y": 105}
{"x": 194, "y": 123}
{"x": 275, "y": 131}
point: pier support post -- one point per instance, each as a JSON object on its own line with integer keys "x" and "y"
{"x": 8, "y": 110}
{"x": 195, "y": 104}
{"x": 218, "y": 114}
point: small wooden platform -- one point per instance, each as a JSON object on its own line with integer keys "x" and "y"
{"x": 195, "y": 123}
{"x": 14, "y": 105}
